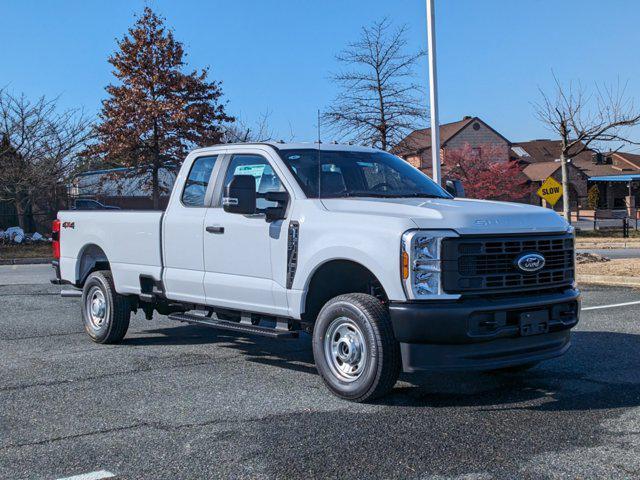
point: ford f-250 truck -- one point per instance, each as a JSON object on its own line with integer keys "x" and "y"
{"x": 385, "y": 269}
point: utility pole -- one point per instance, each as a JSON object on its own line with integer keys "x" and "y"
{"x": 433, "y": 93}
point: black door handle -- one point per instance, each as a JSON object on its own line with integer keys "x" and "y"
{"x": 215, "y": 229}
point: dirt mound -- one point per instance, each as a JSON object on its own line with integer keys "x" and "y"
{"x": 582, "y": 258}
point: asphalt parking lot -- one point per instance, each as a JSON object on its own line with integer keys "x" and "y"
{"x": 177, "y": 401}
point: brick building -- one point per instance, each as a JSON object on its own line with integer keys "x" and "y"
{"x": 416, "y": 147}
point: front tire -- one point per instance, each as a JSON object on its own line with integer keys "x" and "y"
{"x": 355, "y": 351}
{"x": 105, "y": 312}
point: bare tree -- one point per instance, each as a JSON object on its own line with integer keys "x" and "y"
{"x": 379, "y": 103}
{"x": 241, "y": 132}
{"x": 38, "y": 150}
{"x": 585, "y": 121}
{"x": 260, "y": 131}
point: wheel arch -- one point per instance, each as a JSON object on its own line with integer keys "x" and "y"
{"x": 90, "y": 259}
{"x": 335, "y": 277}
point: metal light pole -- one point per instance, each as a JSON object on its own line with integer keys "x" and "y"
{"x": 433, "y": 92}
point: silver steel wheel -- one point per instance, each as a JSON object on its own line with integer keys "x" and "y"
{"x": 345, "y": 349}
{"x": 97, "y": 308}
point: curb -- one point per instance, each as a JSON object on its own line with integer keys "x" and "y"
{"x": 609, "y": 280}
{"x": 24, "y": 261}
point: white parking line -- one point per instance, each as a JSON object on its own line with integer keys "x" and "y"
{"x": 97, "y": 475}
{"x": 612, "y": 305}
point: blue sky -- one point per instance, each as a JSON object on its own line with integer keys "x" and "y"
{"x": 277, "y": 55}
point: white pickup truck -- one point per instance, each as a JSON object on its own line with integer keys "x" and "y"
{"x": 385, "y": 269}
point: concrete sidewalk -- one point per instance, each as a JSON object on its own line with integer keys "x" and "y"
{"x": 24, "y": 261}
{"x": 25, "y": 274}
{"x": 611, "y": 280}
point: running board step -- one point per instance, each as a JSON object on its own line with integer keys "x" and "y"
{"x": 234, "y": 326}
{"x": 71, "y": 293}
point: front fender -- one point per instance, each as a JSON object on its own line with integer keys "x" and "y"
{"x": 387, "y": 272}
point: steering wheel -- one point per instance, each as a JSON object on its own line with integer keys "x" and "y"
{"x": 381, "y": 185}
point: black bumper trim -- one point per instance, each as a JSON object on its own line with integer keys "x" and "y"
{"x": 450, "y": 322}
{"x": 505, "y": 352}
{"x": 481, "y": 333}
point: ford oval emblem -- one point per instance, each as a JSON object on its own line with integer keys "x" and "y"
{"x": 530, "y": 262}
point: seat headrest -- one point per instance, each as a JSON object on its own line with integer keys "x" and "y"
{"x": 332, "y": 182}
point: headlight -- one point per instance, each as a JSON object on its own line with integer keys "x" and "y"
{"x": 421, "y": 262}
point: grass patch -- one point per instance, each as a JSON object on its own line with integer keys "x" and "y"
{"x": 36, "y": 250}
{"x": 606, "y": 234}
{"x": 620, "y": 267}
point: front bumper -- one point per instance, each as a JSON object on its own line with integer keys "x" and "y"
{"x": 482, "y": 333}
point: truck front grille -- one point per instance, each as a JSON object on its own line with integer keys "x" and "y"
{"x": 489, "y": 264}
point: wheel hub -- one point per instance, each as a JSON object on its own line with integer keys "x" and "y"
{"x": 349, "y": 349}
{"x": 345, "y": 349}
{"x": 96, "y": 306}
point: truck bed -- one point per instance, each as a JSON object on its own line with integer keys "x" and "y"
{"x": 131, "y": 241}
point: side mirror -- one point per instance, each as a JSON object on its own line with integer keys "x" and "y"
{"x": 240, "y": 195}
{"x": 455, "y": 188}
{"x": 276, "y": 213}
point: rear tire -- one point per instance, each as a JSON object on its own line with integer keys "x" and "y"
{"x": 105, "y": 312}
{"x": 355, "y": 351}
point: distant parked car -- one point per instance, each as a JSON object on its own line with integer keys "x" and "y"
{"x": 88, "y": 204}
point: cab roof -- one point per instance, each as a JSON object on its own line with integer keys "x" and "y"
{"x": 296, "y": 146}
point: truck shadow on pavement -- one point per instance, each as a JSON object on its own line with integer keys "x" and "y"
{"x": 561, "y": 419}
{"x": 601, "y": 371}
{"x": 292, "y": 354}
{"x": 564, "y": 416}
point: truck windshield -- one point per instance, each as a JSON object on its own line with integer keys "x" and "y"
{"x": 335, "y": 174}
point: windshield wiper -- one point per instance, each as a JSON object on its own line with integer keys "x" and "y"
{"x": 360, "y": 194}
{"x": 418, "y": 195}
{"x": 363, "y": 193}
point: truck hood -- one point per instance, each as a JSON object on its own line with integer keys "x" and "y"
{"x": 465, "y": 216}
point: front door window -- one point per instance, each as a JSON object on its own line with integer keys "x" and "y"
{"x": 259, "y": 168}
